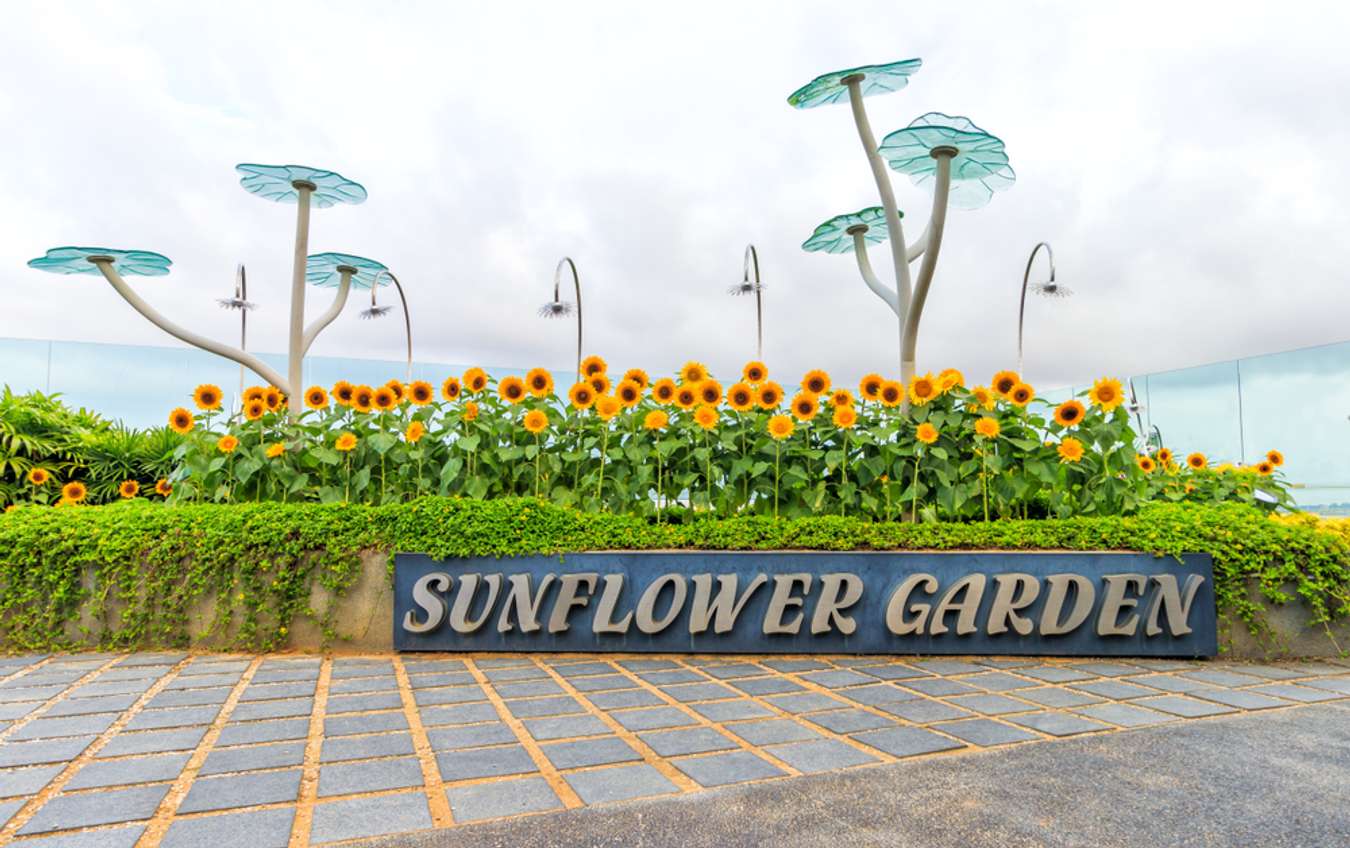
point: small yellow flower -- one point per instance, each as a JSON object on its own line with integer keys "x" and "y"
{"x": 163, "y": 487}
{"x": 1107, "y": 393}
{"x": 451, "y": 388}
{"x": 710, "y": 392}
{"x": 987, "y": 427}
{"x": 535, "y": 421}
{"x": 254, "y": 409}
{"x": 629, "y": 393}
{"x": 539, "y": 382}
{"x": 805, "y": 406}
{"x": 38, "y": 476}
{"x": 1069, "y": 413}
{"x": 1197, "y": 461}
{"x": 416, "y": 430}
{"x": 470, "y": 411}
{"x": 363, "y": 398}
{"x": 816, "y": 382}
{"x": 129, "y": 489}
{"x": 780, "y": 427}
{"x": 870, "y": 386}
{"x": 1070, "y": 450}
{"x": 663, "y": 390}
{"x": 384, "y": 399}
{"x": 845, "y": 417}
{"x": 74, "y": 492}
{"x": 657, "y": 419}
{"x": 1021, "y": 394}
{"x": 950, "y": 378}
{"x": 686, "y": 396}
{"x": 922, "y": 389}
{"x": 769, "y": 395}
{"x": 981, "y": 398}
{"x": 892, "y": 393}
{"x": 637, "y": 375}
{"x": 316, "y": 397}
{"x": 841, "y": 397}
{"x": 1004, "y": 381}
{"x": 275, "y": 450}
{"x": 1265, "y": 469}
{"x": 706, "y": 416}
{"x": 926, "y": 433}
{"x": 511, "y": 389}
{"x": 694, "y": 372}
{"x": 1275, "y": 458}
{"x": 607, "y": 406}
{"x": 741, "y": 397}
{"x": 592, "y": 365}
{"x": 345, "y": 442}
{"x": 1146, "y": 464}
{"x": 181, "y": 421}
{"x": 421, "y": 393}
{"x": 207, "y": 397}
{"x": 599, "y": 382}
{"x": 227, "y": 444}
{"x": 475, "y": 380}
{"x": 755, "y": 372}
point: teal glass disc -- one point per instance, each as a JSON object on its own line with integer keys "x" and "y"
{"x": 979, "y": 168}
{"x": 321, "y": 269}
{"x": 276, "y": 182}
{"x": 75, "y": 260}
{"x": 877, "y": 79}
{"x": 833, "y": 235}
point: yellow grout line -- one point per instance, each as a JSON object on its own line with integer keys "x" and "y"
{"x": 21, "y": 818}
{"x": 39, "y": 712}
{"x": 163, "y": 816}
{"x": 564, "y": 789}
{"x": 309, "y": 770}
{"x": 431, "y": 770}
{"x": 648, "y": 754}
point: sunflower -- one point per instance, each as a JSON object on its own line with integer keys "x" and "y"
{"x": 1164, "y": 456}
{"x": 592, "y": 365}
{"x": 1021, "y": 394}
{"x": 755, "y": 372}
{"x": 950, "y": 378}
{"x": 180, "y": 421}
{"x": 804, "y": 406}
{"x": 891, "y": 393}
{"x": 981, "y": 398}
{"x": 1069, "y": 413}
{"x": 607, "y": 406}
{"x": 475, "y": 380}
{"x": 363, "y": 398}
{"x": 451, "y": 388}
{"x": 710, "y": 392}
{"x": 535, "y": 421}
{"x": 870, "y": 386}
{"x": 38, "y": 476}
{"x": 599, "y": 382}
{"x": 345, "y": 442}
{"x": 770, "y": 394}
{"x": 272, "y": 397}
{"x": 693, "y": 372}
{"x": 342, "y": 393}
{"x": 1070, "y": 450}
{"x": 74, "y": 492}
{"x": 539, "y": 382}
{"x": 316, "y": 397}
{"x": 255, "y": 409}
{"x": 841, "y": 397}
{"x": 1106, "y": 393}
{"x": 1265, "y": 469}
{"x": 163, "y": 487}
{"x": 926, "y": 433}
{"x": 986, "y": 427}
{"x": 629, "y": 393}
{"x": 1004, "y": 381}
{"x": 421, "y": 393}
{"x": 816, "y": 382}
{"x": 780, "y": 427}
{"x": 511, "y": 389}
{"x": 637, "y": 375}
{"x": 1197, "y": 461}
{"x": 397, "y": 388}
{"x": 1225, "y": 468}
{"x": 663, "y": 390}
{"x": 416, "y": 430}
{"x": 275, "y": 450}
{"x": 686, "y": 396}
{"x": 383, "y": 399}
{"x": 207, "y": 397}
{"x": 741, "y": 397}
{"x": 128, "y": 489}
{"x": 581, "y": 395}
{"x": 470, "y": 410}
{"x": 259, "y": 393}
{"x": 1146, "y": 464}
{"x": 845, "y": 417}
{"x": 1275, "y": 458}
{"x": 922, "y": 389}
{"x": 706, "y": 416}
{"x": 227, "y": 443}
{"x": 657, "y": 419}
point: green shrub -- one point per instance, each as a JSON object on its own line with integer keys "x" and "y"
{"x": 153, "y": 562}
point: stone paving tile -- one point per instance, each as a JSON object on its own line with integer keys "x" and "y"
{"x": 506, "y": 675}
{"x": 343, "y": 669}
{"x": 907, "y": 741}
{"x": 449, "y": 695}
{"x": 731, "y": 710}
{"x": 214, "y": 666}
{"x": 8, "y": 712}
{"x": 51, "y": 728}
{"x": 602, "y": 683}
{"x": 440, "y": 678}
{"x": 1106, "y": 669}
{"x": 364, "y": 747}
{"x": 876, "y": 694}
{"x": 619, "y": 783}
{"x": 506, "y": 798}
{"x": 503, "y": 662}
{"x": 1058, "y": 724}
{"x": 9, "y": 808}
{"x": 734, "y": 670}
{"x": 939, "y": 686}
{"x": 254, "y": 828}
{"x": 152, "y": 741}
{"x": 374, "y": 723}
{"x": 286, "y": 675}
{"x": 65, "y": 812}
{"x": 27, "y": 781}
{"x": 203, "y": 681}
{"x": 723, "y": 769}
{"x": 1116, "y": 690}
{"x": 30, "y": 693}
{"x": 565, "y": 727}
{"x": 583, "y": 669}
{"x": 767, "y": 685}
{"x": 772, "y": 731}
{"x": 1170, "y": 683}
{"x": 42, "y": 751}
{"x": 948, "y": 666}
{"x": 648, "y": 665}
{"x": 1339, "y": 685}
{"x": 469, "y": 736}
{"x": 353, "y": 818}
{"x": 652, "y": 719}
{"x": 273, "y": 709}
{"x": 788, "y": 666}
{"x": 76, "y": 704}
{"x": 688, "y": 740}
{"x": 1221, "y": 677}
{"x": 370, "y": 776}
{"x": 984, "y": 731}
{"x": 923, "y": 711}
{"x": 837, "y": 678}
{"x": 1053, "y": 696}
{"x": 1056, "y": 673}
{"x": 893, "y": 672}
{"x": 626, "y": 698}
{"x": 253, "y": 757}
{"x": 850, "y": 720}
{"x": 363, "y": 703}
{"x": 820, "y": 755}
{"x": 107, "y": 837}
{"x": 1271, "y": 672}
{"x": 458, "y": 714}
{"x": 485, "y": 762}
{"x": 998, "y": 681}
{"x": 148, "y": 769}
{"x": 1180, "y": 705}
{"x": 1125, "y": 715}
{"x": 687, "y": 692}
{"x": 272, "y": 691}
{"x": 991, "y": 704}
{"x": 1295, "y": 692}
{"x": 190, "y": 697}
{"x": 273, "y": 730}
{"x": 806, "y": 702}
{"x": 1241, "y": 698}
{"x": 590, "y": 752}
{"x": 361, "y": 685}
{"x": 173, "y": 717}
{"x": 528, "y": 689}
{"x": 549, "y": 706}
{"x": 243, "y": 790}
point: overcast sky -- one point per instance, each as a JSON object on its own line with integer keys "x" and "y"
{"x": 1187, "y": 161}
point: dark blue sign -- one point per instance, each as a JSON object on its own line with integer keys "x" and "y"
{"x": 1067, "y": 604}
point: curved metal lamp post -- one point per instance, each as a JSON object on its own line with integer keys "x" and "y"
{"x": 240, "y": 301}
{"x": 376, "y": 311}
{"x": 1049, "y": 288}
{"x": 559, "y": 308}
{"x": 748, "y": 286}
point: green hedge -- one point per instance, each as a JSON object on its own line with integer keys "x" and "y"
{"x": 151, "y": 562}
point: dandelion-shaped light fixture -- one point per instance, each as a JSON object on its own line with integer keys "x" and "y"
{"x": 559, "y": 308}
{"x": 1048, "y": 288}
{"x": 240, "y": 302}
{"x": 377, "y": 311}
{"x": 750, "y": 266}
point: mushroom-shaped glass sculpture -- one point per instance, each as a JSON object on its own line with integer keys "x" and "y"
{"x": 838, "y": 235}
{"x": 324, "y": 270}
{"x": 76, "y": 260}
{"x": 873, "y": 79}
{"x": 278, "y": 182}
{"x": 978, "y": 168}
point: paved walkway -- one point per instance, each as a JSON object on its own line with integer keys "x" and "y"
{"x": 148, "y": 749}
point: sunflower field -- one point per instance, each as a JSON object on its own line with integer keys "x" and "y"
{"x": 672, "y": 448}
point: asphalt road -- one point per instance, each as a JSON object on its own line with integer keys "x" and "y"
{"x": 1275, "y": 779}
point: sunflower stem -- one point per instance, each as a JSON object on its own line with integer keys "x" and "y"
{"x": 604, "y": 448}
{"x": 984, "y": 481}
{"x": 777, "y": 452}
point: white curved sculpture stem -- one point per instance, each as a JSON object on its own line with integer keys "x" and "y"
{"x": 915, "y": 250}
{"x": 878, "y": 288}
{"x": 296, "y": 348}
{"x": 248, "y": 360}
{"x": 936, "y": 222}
{"x": 576, "y": 284}
{"x": 333, "y": 311}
